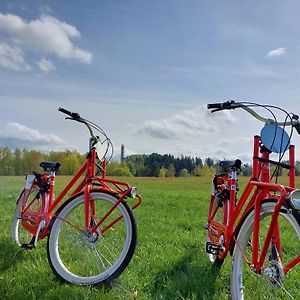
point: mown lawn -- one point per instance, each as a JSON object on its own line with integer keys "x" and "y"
{"x": 169, "y": 263}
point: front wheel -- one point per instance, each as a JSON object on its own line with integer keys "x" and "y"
{"x": 271, "y": 283}
{"x": 77, "y": 256}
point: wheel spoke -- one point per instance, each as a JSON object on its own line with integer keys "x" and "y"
{"x": 271, "y": 283}
{"x": 85, "y": 257}
{"x": 98, "y": 255}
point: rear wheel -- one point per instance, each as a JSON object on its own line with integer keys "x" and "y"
{"x": 216, "y": 214}
{"x": 77, "y": 256}
{"x": 30, "y": 202}
{"x": 271, "y": 283}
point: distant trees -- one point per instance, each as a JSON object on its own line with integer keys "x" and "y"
{"x": 21, "y": 161}
{"x": 158, "y": 165}
{"x": 118, "y": 169}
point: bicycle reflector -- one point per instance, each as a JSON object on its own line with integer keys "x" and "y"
{"x": 294, "y": 199}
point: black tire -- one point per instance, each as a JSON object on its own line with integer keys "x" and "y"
{"x": 271, "y": 283}
{"x": 78, "y": 258}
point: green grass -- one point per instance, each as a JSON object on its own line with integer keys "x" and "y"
{"x": 169, "y": 262}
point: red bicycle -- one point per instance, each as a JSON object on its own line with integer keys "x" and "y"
{"x": 92, "y": 234}
{"x": 261, "y": 228}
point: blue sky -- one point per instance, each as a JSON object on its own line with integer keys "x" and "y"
{"x": 144, "y": 71}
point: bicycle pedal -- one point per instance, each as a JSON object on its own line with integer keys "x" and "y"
{"x": 28, "y": 246}
{"x": 206, "y": 226}
{"x": 213, "y": 248}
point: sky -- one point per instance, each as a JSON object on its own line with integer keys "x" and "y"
{"x": 145, "y": 71}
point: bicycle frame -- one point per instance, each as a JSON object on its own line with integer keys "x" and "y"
{"x": 85, "y": 186}
{"x": 257, "y": 189}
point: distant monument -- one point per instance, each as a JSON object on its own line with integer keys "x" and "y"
{"x": 122, "y": 153}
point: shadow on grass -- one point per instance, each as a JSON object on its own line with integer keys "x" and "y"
{"x": 10, "y": 254}
{"x": 192, "y": 277}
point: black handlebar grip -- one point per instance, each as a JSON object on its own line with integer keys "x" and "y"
{"x": 214, "y": 105}
{"x": 65, "y": 111}
{"x": 221, "y": 106}
{"x": 75, "y": 116}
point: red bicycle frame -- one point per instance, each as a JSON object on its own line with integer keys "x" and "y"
{"x": 85, "y": 186}
{"x": 258, "y": 188}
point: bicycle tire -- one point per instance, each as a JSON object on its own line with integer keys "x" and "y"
{"x": 245, "y": 283}
{"x": 214, "y": 259}
{"x": 18, "y": 233}
{"x": 78, "y": 258}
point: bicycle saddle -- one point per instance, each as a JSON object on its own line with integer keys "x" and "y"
{"x": 50, "y": 166}
{"x": 227, "y": 165}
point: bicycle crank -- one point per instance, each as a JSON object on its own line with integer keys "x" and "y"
{"x": 40, "y": 227}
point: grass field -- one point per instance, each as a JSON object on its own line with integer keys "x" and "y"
{"x": 169, "y": 262}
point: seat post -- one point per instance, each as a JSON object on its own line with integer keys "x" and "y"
{"x": 51, "y": 186}
{"x": 232, "y": 188}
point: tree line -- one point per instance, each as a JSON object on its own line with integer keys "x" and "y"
{"x": 22, "y": 161}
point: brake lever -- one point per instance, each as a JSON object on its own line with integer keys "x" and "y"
{"x": 297, "y": 127}
{"x": 223, "y": 108}
{"x": 217, "y": 109}
{"x": 226, "y": 105}
{"x": 77, "y": 120}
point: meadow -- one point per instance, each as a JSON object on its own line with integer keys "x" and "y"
{"x": 169, "y": 262}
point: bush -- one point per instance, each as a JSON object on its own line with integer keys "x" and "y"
{"x": 119, "y": 172}
{"x": 184, "y": 173}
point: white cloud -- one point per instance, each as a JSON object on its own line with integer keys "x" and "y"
{"x": 46, "y": 65}
{"x": 12, "y": 58}
{"x": 190, "y": 123}
{"x": 276, "y": 52}
{"x": 46, "y": 35}
{"x": 16, "y": 134}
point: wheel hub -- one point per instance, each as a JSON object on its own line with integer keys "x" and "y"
{"x": 275, "y": 273}
{"x": 91, "y": 238}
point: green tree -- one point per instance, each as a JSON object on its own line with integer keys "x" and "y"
{"x": 209, "y": 162}
{"x": 204, "y": 171}
{"x": 162, "y": 172}
{"x": 132, "y": 167}
{"x": 112, "y": 166}
{"x": 120, "y": 172}
{"x": 70, "y": 164}
{"x": 184, "y": 173}
{"x": 197, "y": 171}
{"x": 18, "y": 163}
{"x": 171, "y": 171}
{"x": 154, "y": 169}
{"x": 32, "y": 159}
{"x": 56, "y": 156}
{"x": 6, "y": 161}
{"x": 247, "y": 170}
{"x": 141, "y": 171}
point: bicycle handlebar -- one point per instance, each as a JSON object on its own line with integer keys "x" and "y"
{"x": 76, "y": 117}
{"x": 103, "y": 138}
{"x": 221, "y": 106}
{"x": 233, "y": 105}
{"x": 73, "y": 115}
